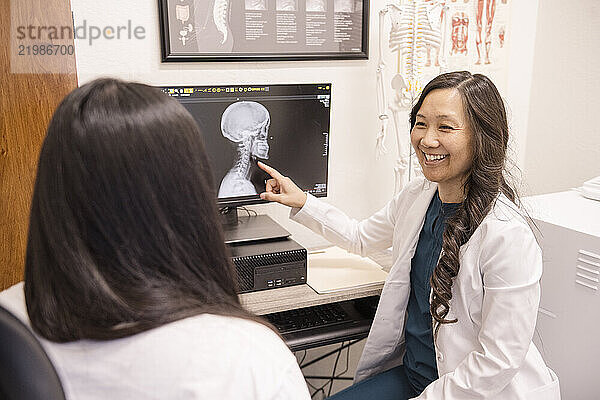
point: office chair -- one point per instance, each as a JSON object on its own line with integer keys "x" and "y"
{"x": 25, "y": 370}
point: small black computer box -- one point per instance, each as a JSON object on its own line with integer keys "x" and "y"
{"x": 268, "y": 264}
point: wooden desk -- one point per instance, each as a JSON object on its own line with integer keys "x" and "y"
{"x": 299, "y": 296}
{"x": 293, "y": 297}
{"x": 289, "y": 298}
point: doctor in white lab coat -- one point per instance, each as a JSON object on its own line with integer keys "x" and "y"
{"x": 485, "y": 285}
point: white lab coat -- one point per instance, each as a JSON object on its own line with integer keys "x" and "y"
{"x": 488, "y": 353}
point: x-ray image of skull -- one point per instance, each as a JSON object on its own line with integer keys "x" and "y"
{"x": 246, "y": 125}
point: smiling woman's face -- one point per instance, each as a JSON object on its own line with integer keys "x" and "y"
{"x": 442, "y": 140}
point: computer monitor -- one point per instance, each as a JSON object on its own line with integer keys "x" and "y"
{"x": 283, "y": 125}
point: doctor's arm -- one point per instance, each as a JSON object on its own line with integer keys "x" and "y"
{"x": 511, "y": 267}
{"x": 359, "y": 237}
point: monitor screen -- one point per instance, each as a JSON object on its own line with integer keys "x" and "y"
{"x": 285, "y": 126}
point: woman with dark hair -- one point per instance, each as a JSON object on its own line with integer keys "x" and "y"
{"x": 458, "y": 309}
{"x": 127, "y": 279}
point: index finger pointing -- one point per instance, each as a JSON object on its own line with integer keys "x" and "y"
{"x": 270, "y": 170}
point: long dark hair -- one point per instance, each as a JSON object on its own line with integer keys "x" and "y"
{"x": 123, "y": 233}
{"x": 486, "y": 116}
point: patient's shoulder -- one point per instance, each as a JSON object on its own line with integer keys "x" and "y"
{"x": 13, "y": 299}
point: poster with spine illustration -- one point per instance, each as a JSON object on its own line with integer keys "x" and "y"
{"x": 254, "y": 30}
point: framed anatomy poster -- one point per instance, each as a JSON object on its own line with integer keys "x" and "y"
{"x": 263, "y": 30}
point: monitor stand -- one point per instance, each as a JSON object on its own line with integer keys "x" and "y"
{"x": 253, "y": 228}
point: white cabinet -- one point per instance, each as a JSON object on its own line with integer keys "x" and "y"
{"x": 568, "y": 326}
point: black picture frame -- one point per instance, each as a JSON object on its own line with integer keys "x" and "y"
{"x": 169, "y": 52}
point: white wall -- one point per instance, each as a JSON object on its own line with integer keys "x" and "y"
{"x": 520, "y": 65}
{"x": 563, "y": 140}
{"x": 359, "y": 183}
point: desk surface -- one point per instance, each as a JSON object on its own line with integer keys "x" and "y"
{"x": 568, "y": 209}
{"x": 299, "y": 296}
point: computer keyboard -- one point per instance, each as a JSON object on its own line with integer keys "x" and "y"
{"x": 309, "y": 317}
{"x": 324, "y": 324}
{"x": 308, "y": 327}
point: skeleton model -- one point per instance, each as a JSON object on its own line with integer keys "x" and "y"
{"x": 490, "y": 10}
{"x": 246, "y": 124}
{"x": 416, "y": 28}
{"x": 212, "y": 25}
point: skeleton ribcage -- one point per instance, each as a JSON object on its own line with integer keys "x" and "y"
{"x": 414, "y": 28}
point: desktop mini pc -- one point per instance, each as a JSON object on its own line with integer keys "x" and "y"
{"x": 269, "y": 265}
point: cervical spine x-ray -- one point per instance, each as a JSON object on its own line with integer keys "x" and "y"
{"x": 246, "y": 125}
{"x": 286, "y": 126}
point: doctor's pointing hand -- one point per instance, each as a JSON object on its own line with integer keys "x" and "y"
{"x": 281, "y": 189}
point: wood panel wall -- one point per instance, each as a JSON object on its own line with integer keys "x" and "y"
{"x": 27, "y": 101}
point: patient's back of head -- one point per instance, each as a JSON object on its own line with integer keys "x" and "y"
{"x": 127, "y": 278}
{"x": 123, "y": 230}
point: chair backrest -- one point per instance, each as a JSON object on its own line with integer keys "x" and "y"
{"x": 26, "y": 372}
